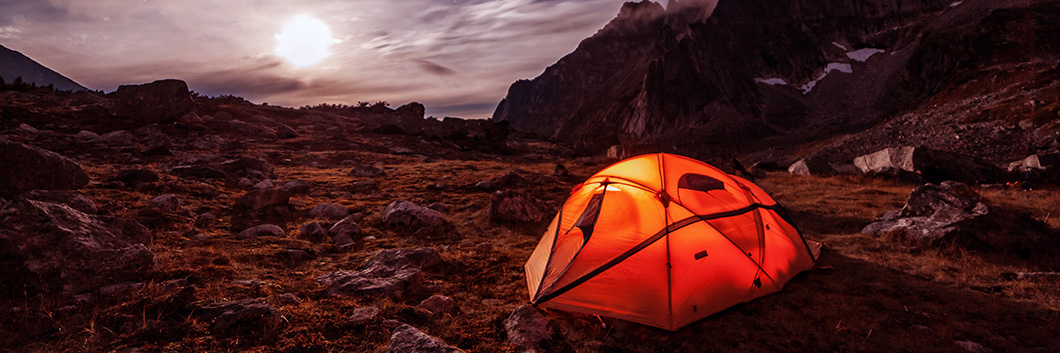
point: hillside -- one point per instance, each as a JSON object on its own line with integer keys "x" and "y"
{"x": 14, "y": 65}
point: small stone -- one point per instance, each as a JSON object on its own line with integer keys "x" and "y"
{"x": 165, "y": 203}
{"x": 439, "y": 305}
{"x": 365, "y": 185}
{"x": 438, "y": 206}
{"x": 297, "y": 186}
{"x": 264, "y": 184}
{"x": 408, "y": 214}
{"x": 363, "y": 316}
{"x": 527, "y": 328}
{"x": 289, "y": 299}
{"x": 205, "y": 220}
{"x": 314, "y": 232}
{"x": 484, "y": 185}
{"x": 298, "y": 255}
{"x": 973, "y": 347}
{"x": 408, "y": 339}
{"x": 261, "y": 230}
{"x": 245, "y": 183}
{"x": 366, "y": 171}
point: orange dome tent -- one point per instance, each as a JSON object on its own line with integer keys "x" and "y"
{"x": 664, "y": 240}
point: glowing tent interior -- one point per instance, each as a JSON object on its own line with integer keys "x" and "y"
{"x": 664, "y": 240}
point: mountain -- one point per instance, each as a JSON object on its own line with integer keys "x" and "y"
{"x": 14, "y": 64}
{"x": 779, "y": 79}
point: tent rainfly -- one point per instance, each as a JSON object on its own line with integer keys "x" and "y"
{"x": 664, "y": 240}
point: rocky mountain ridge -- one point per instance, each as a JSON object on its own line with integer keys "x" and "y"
{"x": 780, "y": 80}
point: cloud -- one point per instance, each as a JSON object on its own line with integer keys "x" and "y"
{"x": 455, "y": 56}
{"x": 433, "y": 68}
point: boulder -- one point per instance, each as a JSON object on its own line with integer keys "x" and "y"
{"x": 297, "y": 186}
{"x": 25, "y": 168}
{"x": 157, "y": 144}
{"x": 225, "y": 315}
{"x": 116, "y": 138}
{"x": 158, "y": 101}
{"x": 407, "y": 339}
{"x": 408, "y": 214}
{"x": 517, "y": 206}
{"x": 329, "y": 211}
{"x": 261, "y": 231}
{"x": 366, "y": 171}
{"x": 439, "y": 305}
{"x": 1040, "y": 161}
{"x": 346, "y": 232}
{"x": 264, "y": 198}
{"x": 811, "y": 167}
{"x": 954, "y": 211}
{"x": 64, "y": 197}
{"x": 51, "y": 247}
{"x": 387, "y": 273}
{"x": 164, "y": 204}
{"x": 137, "y": 176}
{"x": 888, "y": 161}
{"x": 314, "y": 232}
{"x": 198, "y": 171}
{"x": 527, "y": 328}
{"x": 933, "y": 166}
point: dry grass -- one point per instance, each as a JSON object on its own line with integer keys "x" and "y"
{"x": 872, "y": 294}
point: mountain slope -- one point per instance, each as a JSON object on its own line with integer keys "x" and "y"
{"x": 14, "y": 64}
{"x": 771, "y": 77}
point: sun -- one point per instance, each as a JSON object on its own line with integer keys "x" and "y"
{"x": 304, "y": 41}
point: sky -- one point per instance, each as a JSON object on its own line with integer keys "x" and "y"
{"x": 457, "y": 57}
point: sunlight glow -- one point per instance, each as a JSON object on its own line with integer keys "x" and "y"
{"x": 304, "y": 41}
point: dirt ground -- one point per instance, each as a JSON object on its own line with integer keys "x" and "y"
{"x": 868, "y": 294}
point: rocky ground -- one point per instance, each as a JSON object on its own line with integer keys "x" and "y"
{"x": 218, "y": 225}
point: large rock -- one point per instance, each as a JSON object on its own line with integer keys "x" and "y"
{"x": 934, "y": 166}
{"x": 954, "y": 211}
{"x": 527, "y": 328}
{"x": 408, "y": 214}
{"x": 811, "y": 167}
{"x": 65, "y": 197}
{"x": 239, "y": 313}
{"x": 264, "y": 198}
{"x": 51, "y": 247}
{"x": 159, "y": 101}
{"x": 407, "y": 339}
{"x": 388, "y": 273}
{"x": 25, "y": 168}
{"x": 517, "y": 206}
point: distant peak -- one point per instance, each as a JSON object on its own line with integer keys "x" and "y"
{"x": 637, "y": 10}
